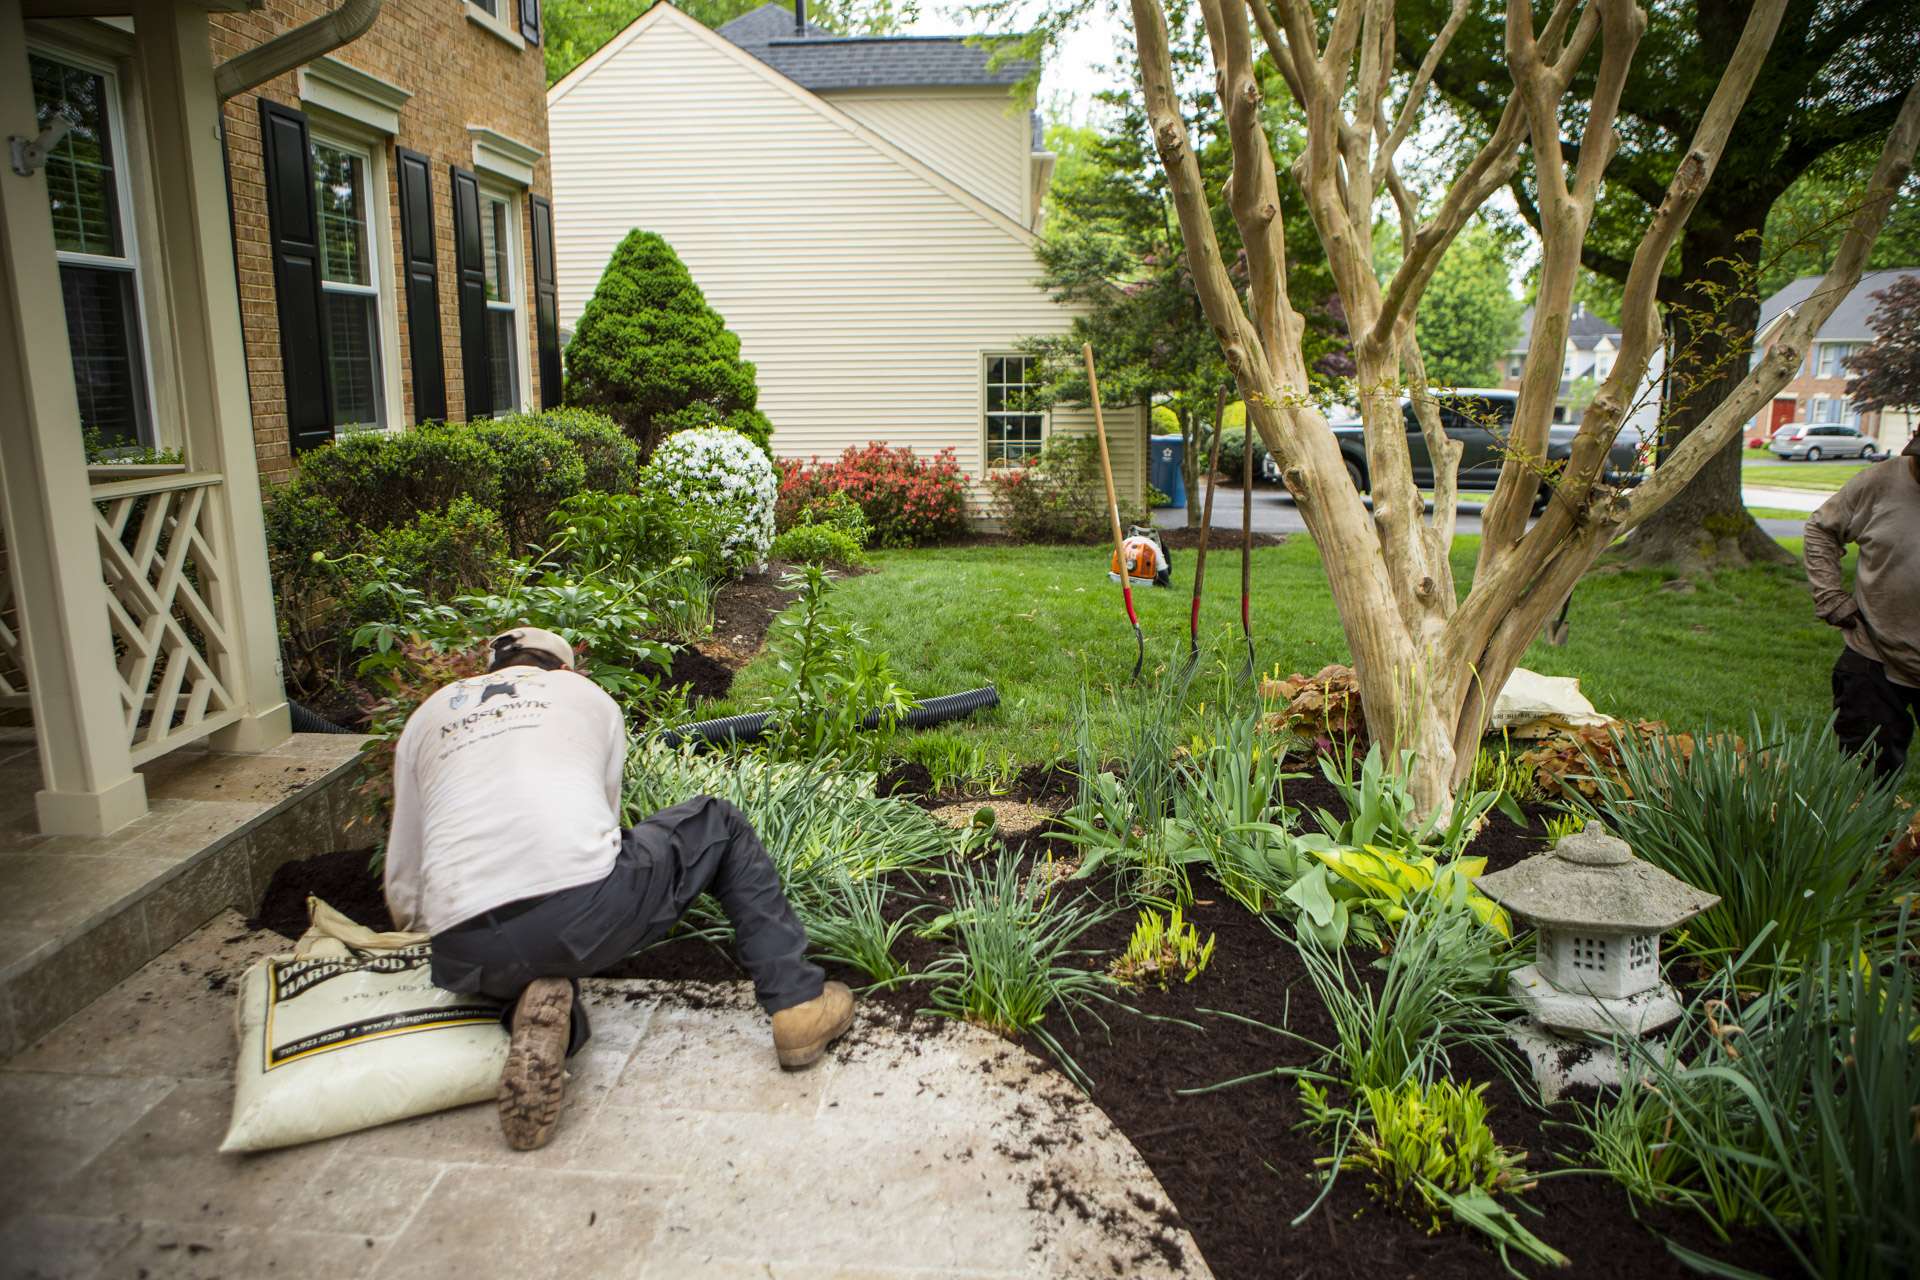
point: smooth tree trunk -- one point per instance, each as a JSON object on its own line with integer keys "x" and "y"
{"x": 1193, "y": 436}
{"x": 1706, "y": 526}
{"x": 1429, "y": 663}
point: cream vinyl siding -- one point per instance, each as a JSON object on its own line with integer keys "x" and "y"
{"x": 865, "y": 289}
{"x": 979, "y": 139}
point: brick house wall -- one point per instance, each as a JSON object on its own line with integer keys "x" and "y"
{"x": 461, "y": 73}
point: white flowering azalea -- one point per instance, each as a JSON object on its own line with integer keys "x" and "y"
{"x": 727, "y": 472}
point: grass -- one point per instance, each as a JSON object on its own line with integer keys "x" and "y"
{"x": 1778, "y": 513}
{"x": 1038, "y": 621}
{"x": 1820, "y": 476}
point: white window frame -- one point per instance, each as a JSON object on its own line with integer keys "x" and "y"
{"x": 504, "y": 25}
{"x": 987, "y": 463}
{"x": 1831, "y": 358}
{"x": 323, "y": 130}
{"x": 136, "y": 230}
{"x": 516, "y": 278}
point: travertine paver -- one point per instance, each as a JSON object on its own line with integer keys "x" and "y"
{"x": 937, "y": 1150}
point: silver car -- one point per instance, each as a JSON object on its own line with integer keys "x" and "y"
{"x": 1814, "y": 441}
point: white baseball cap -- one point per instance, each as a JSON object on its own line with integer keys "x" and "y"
{"x": 535, "y": 640}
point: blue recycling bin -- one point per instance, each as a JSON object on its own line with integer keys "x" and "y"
{"x": 1168, "y": 453}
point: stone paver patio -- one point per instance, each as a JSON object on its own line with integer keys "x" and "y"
{"x": 939, "y": 1151}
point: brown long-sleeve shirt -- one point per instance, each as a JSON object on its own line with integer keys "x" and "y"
{"x": 1880, "y": 510}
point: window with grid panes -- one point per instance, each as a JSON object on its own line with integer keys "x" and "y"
{"x": 350, "y": 283}
{"x": 1016, "y": 426}
{"x": 499, "y": 239}
{"x": 99, "y": 271}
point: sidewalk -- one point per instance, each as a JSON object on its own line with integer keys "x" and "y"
{"x": 1784, "y": 499}
{"x": 684, "y": 1152}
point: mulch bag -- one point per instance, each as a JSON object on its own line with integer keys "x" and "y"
{"x": 349, "y": 1032}
{"x": 1535, "y": 706}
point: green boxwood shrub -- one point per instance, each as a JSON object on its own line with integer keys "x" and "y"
{"x": 377, "y": 479}
{"x": 612, "y": 461}
{"x": 1233, "y": 445}
{"x": 817, "y": 544}
{"x": 446, "y": 553}
{"x": 538, "y": 470}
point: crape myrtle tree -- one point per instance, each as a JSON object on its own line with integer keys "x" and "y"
{"x": 652, "y": 355}
{"x": 1429, "y": 662}
{"x": 1886, "y": 374}
{"x": 1111, "y": 247}
{"x": 1831, "y": 80}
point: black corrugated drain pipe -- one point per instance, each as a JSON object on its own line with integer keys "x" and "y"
{"x": 750, "y": 727}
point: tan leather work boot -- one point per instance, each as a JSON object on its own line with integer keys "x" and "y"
{"x": 533, "y": 1084}
{"x": 801, "y": 1034}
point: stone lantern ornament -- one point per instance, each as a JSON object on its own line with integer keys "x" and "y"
{"x": 1599, "y": 913}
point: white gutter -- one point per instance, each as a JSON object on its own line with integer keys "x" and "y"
{"x": 295, "y": 48}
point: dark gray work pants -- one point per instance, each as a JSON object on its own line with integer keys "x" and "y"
{"x": 1872, "y": 713}
{"x": 703, "y": 845}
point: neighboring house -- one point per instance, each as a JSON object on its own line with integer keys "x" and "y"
{"x": 859, "y": 209}
{"x": 392, "y": 222}
{"x": 1592, "y": 344}
{"x": 1818, "y": 391}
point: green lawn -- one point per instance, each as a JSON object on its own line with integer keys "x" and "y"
{"x": 1822, "y": 477}
{"x": 1040, "y": 621}
{"x": 1777, "y": 513}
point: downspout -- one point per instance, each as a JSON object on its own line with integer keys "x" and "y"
{"x": 295, "y": 48}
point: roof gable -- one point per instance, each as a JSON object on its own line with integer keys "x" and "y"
{"x": 823, "y": 60}
{"x": 1850, "y": 320}
{"x": 663, "y": 12}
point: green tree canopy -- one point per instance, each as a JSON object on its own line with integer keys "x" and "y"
{"x": 1112, "y": 248}
{"x": 1832, "y": 82}
{"x": 1469, "y": 316}
{"x": 575, "y": 29}
{"x": 653, "y": 356}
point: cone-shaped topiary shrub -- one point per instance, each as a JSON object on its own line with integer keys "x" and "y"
{"x": 651, "y": 354}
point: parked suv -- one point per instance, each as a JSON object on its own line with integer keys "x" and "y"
{"x": 1480, "y": 420}
{"x": 1825, "y": 440}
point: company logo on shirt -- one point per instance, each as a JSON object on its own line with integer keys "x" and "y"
{"x": 515, "y": 698}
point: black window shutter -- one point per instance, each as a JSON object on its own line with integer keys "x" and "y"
{"x": 294, "y": 231}
{"x": 470, "y": 269}
{"x": 546, "y": 301}
{"x": 530, "y": 20}
{"x": 422, "y": 286}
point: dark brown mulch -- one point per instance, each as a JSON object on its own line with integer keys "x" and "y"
{"x": 1219, "y": 542}
{"x": 344, "y": 881}
{"x": 746, "y": 607}
{"x": 699, "y": 673}
{"x": 1232, "y": 1160}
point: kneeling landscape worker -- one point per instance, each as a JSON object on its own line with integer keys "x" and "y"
{"x": 1876, "y": 682}
{"x": 507, "y": 848}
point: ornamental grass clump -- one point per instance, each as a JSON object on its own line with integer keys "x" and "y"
{"x": 1014, "y": 960}
{"x": 1796, "y": 1111}
{"x": 1788, "y": 830}
{"x": 847, "y": 924}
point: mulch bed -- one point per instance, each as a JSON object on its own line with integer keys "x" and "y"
{"x": 1232, "y": 1160}
{"x": 1219, "y": 542}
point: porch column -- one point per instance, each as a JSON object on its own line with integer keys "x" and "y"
{"x": 184, "y": 142}
{"x": 88, "y": 783}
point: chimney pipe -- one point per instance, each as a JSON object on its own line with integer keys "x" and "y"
{"x": 799, "y": 17}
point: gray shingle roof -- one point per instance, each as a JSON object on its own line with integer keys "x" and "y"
{"x": 821, "y": 60}
{"x": 1584, "y": 330}
{"x": 1848, "y": 323}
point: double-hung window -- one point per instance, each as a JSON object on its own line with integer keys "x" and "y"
{"x": 1833, "y": 359}
{"x": 349, "y": 281}
{"x": 499, "y": 246}
{"x": 93, "y": 238}
{"x": 1015, "y": 426}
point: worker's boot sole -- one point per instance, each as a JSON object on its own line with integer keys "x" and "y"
{"x": 533, "y": 1084}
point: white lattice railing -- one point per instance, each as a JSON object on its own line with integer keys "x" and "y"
{"x": 167, "y": 602}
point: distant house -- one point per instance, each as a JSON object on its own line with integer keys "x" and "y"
{"x": 1592, "y": 344}
{"x": 1818, "y": 392}
{"x": 860, "y": 209}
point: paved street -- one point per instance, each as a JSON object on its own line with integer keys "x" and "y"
{"x": 1274, "y": 512}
